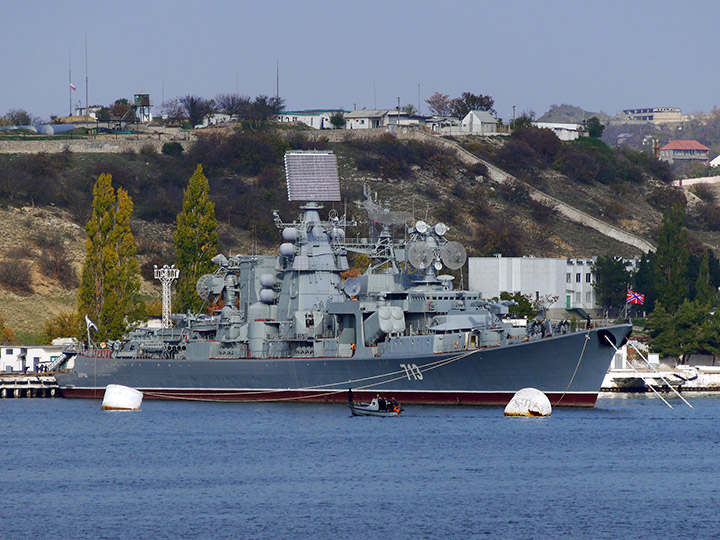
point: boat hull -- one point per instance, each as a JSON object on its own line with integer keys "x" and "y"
{"x": 569, "y": 369}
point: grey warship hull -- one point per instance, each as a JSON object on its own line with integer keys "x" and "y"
{"x": 568, "y": 368}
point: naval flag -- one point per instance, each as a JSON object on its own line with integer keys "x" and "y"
{"x": 72, "y": 87}
{"x": 634, "y": 298}
{"x": 89, "y": 324}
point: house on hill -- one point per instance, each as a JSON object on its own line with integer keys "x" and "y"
{"x": 479, "y": 123}
{"x": 315, "y": 118}
{"x": 377, "y": 118}
{"x": 655, "y": 115}
{"x": 564, "y": 131}
{"x": 681, "y": 151}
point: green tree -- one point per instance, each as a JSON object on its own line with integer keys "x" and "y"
{"x": 644, "y": 280}
{"x": 337, "y": 120}
{"x": 691, "y": 330}
{"x": 196, "y": 240}
{"x": 467, "y": 102}
{"x": 523, "y": 307}
{"x": 705, "y": 292}
{"x": 595, "y": 127}
{"x": 6, "y": 334}
{"x": 110, "y": 282}
{"x": 612, "y": 279}
{"x": 439, "y": 104}
{"x": 671, "y": 258}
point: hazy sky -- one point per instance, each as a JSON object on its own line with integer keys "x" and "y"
{"x": 602, "y": 56}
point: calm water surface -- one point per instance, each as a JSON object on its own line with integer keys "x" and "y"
{"x": 631, "y": 468}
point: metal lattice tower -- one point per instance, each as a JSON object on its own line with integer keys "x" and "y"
{"x": 166, "y": 275}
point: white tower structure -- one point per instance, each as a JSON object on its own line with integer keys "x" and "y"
{"x": 166, "y": 275}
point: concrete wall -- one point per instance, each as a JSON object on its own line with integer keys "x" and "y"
{"x": 98, "y": 145}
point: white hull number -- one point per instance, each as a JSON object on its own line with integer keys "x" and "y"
{"x": 412, "y": 371}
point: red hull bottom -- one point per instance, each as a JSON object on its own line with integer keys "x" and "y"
{"x": 422, "y": 398}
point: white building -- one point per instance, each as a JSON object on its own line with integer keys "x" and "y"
{"x": 377, "y": 118}
{"x": 315, "y": 118}
{"x": 564, "y": 132}
{"x": 570, "y": 280}
{"x": 19, "y": 358}
{"x": 479, "y": 123}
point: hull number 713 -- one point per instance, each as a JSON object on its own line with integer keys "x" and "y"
{"x": 412, "y": 371}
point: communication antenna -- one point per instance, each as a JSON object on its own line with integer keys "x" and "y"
{"x": 166, "y": 275}
{"x": 420, "y": 254}
{"x": 453, "y": 254}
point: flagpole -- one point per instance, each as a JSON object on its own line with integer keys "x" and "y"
{"x": 69, "y": 84}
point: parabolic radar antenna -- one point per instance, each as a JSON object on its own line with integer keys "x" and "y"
{"x": 351, "y": 287}
{"x": 453, "y": 255}
{"x": 204, "y": 286}
{"x": 312, "y": 176}
{"x": 420, "y": 254}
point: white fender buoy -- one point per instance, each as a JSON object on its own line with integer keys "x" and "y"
{"x": 529, "y": 402}
{"x": 121, "y": 398}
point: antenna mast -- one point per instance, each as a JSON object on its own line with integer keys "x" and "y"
{"x": 166, "y": 275}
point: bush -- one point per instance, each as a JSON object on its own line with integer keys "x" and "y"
{"x": 703, "y": 192}
{"x": 148, "y": 150}
{"x": 578, "y": 166}
{"x": 542, "y": 211}
{"x": 514, "y": 191}
{"x": 15, "y": 274}
{"x": 708, "y": 215}
{"x": 500, "y": 235}
{"x": 56, "y": 264}
{"x": 174, "y": 149}
{"x": 61, "y": 325}
{"x": 517, "y": 156}
{"x": 478, "y": 169}
{"x": 663, "y": 197}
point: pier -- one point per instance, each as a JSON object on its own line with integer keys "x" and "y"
{"x": 28, "y": 386}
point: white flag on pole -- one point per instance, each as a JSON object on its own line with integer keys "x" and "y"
{"x": 89, "y": 324}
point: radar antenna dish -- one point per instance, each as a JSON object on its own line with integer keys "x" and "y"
{"x": 453, "y": 255}
{"x": 204, "y": 286}
{"x": 421, "y": 227}
{"x": 351, "y": 287}
{"x": 420, "y": 255}
{"x": 441, "y": 229}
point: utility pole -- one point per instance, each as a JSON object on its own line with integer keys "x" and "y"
{"x": 86, "y": 81}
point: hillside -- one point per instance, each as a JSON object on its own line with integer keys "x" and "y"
{"x": 49, "y": 197}
{"x": 571, "y": 114}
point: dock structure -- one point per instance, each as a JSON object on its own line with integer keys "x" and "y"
{"x": 28, "y": 386}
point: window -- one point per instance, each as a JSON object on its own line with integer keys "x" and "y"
{"x": 588, "y": 297}
{"x": 577, "y": 297}
{"x": 8, "y": 351}
{"x": 568, "y": 278}
{"x": 578, "y": 277}
{"x": 588, "y": 277}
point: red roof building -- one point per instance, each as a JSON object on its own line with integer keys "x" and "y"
{"x": 684, "y": 151}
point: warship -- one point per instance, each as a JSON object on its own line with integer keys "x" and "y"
{"x": 297, "y": 327}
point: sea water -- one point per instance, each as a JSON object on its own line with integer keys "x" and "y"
{"x": 630, "y": 468}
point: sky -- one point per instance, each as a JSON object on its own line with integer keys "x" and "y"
{"x": 601, "y": 56}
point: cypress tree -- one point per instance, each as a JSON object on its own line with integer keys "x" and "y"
{"x": 196, "y": 240}
{"x": 91, "y": 294}
{"x": 671, "y": 259}
{"x": 705, "y": 293}
{"x": 109, "y": 291}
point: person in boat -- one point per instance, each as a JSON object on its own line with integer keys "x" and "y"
{"x": 350, "y": 396}
{"x": 382, "y": 404}
{"x": 394, "y": 405}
